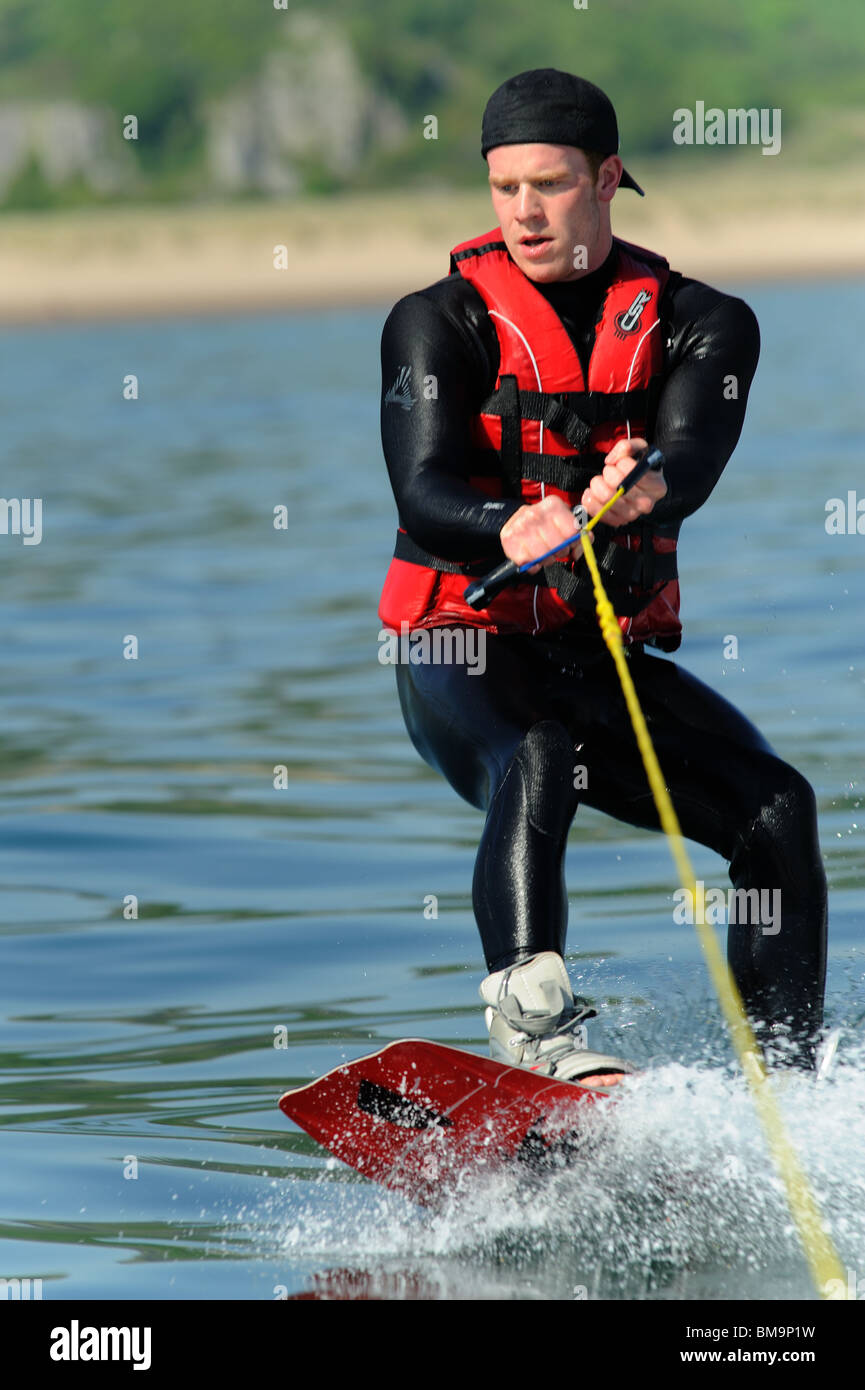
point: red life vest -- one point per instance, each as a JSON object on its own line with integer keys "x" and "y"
{"x": 545, "y": 430}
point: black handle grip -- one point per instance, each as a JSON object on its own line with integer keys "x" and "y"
{"x": 481, "y": 593}
{"x": 652, "y": 458}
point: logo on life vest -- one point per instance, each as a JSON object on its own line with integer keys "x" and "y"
{"x": 629, "y": 321}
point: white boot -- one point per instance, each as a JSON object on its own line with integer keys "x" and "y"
{"x": 534, "y": 1022}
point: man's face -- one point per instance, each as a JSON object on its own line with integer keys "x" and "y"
{"x": 548, "y": 205}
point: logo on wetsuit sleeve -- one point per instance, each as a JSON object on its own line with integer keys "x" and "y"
{"x": 400, "y": 392}
{"x": 629, "y": 321}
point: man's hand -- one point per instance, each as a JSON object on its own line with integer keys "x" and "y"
{"x": 636, "y": 503}
{"x": 536, "y": 528}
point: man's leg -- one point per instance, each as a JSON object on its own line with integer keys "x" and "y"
{"x": 518, "y": 893}
{"x": 732, "y": 793}
{"x": 505, "y": 741}
{"x": 492, "y": 739}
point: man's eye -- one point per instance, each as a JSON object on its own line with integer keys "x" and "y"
{"x": 512, "y": 187}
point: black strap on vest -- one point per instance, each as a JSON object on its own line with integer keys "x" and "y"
{"x": 623, "y": 570}
{"x": 649, "y": 567}
{"x": 512, "y": 443}
{"x": 571, "y": 413}
{"x": 571, "y": 472}
{"x": 407, "y": 549}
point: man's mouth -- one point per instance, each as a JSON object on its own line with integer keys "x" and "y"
{"x": 534, "y": 248}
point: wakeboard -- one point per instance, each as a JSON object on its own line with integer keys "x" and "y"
{"x": 418, "y": 1116}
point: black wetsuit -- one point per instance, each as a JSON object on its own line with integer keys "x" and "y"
{"x": 510, "y": 740}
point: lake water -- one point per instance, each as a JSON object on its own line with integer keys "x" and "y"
{"x": 142, "y": 1154}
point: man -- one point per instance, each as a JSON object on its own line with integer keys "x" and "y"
{"x": 523, "y": 385}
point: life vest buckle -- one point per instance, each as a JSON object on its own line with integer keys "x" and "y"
{"x": 559, "y": 417}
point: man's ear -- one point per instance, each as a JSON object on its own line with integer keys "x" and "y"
{"x": 609, "y": 176}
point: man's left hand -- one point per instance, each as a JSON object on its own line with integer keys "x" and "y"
{"x": 642, "y": 496}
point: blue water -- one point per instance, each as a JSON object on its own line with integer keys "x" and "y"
{"x": 142, "y": 1153}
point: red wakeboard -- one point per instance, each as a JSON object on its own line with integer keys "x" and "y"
{"x": 417, "y": 1115}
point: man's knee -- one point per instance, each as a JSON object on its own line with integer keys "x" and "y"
{"x": 781, "y": 833}
{"x": 545, "y": 761}
{"x": 788, "y": 804}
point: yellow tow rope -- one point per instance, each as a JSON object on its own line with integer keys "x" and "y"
{"x": 821, "y": 1254}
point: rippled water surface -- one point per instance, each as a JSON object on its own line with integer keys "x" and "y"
{"x": 141, "y": 1152}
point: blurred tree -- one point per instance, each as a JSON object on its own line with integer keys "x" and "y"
{"x": 163, "y": 61}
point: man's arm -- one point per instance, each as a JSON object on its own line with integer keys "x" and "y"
{"x": 437, "y": 336}
{"x": 716, "y": 344}
{"x": 435, "y": 371}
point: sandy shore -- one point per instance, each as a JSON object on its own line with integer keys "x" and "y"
{"x": 735, "y": 226}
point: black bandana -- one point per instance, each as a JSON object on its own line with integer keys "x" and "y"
{"x": 548, "y": 107}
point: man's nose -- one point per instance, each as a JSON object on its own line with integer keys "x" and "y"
{"x": 528, "y": 202}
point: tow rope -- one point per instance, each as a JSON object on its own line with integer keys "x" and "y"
{"x": 823, "y": 1261}
{"x": 822, "y": 1257}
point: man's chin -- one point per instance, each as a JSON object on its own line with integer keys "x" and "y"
{"x": 544, "y": 269}
{"x": 541, "y": 272}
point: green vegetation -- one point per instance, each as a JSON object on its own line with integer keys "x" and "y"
{"x": 164, "y": 61}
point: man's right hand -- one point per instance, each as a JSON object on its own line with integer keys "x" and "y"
{"x": 536, "y": 528}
